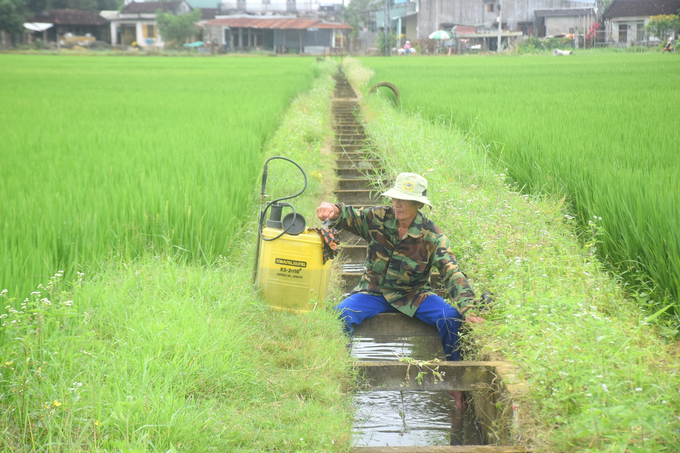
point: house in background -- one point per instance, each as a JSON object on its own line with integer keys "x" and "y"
{"x": 136, "y": 22}
{"x": 281, "y": 34}
{"x": 516, "y": 15}
{"x": 563, "y": 21}
{"x": 56, "y": 23}
{"x": 625, "y": 20}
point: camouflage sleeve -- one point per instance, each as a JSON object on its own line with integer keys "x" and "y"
{"x": 353, "y": 220}
{"x": 459, "y": 288}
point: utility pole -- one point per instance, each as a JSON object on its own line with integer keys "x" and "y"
{"x": 387, "y": 29}
{"x": 500, "y": 26}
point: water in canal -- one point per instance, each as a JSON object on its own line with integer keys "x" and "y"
{"x": 396, "y": 418}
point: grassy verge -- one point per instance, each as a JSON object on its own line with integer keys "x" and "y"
{"x": 160, "y": 354}
{"x": 599, "y": 377}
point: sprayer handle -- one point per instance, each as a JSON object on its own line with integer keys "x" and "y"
{"x": 264, "y": 180}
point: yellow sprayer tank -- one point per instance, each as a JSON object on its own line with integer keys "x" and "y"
{"x": 291, "y": 272}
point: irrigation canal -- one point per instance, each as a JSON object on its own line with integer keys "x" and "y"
{"x": 396, "y": 414}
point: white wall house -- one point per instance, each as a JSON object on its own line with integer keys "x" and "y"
{"x": 625, "y": 19}
{"x": 136, "y": 22}
{"x": 554, "y": 22}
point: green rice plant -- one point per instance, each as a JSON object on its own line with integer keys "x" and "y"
{"x": 599, "y": 129}
{"x": 107, "y": 158}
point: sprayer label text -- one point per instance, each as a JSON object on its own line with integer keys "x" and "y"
{"x": 286, "y": 262}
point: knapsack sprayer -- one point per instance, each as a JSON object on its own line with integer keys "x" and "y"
{"x": 288, "y": 259}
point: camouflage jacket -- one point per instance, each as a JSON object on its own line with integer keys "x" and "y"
{"x": 399, "y": 269}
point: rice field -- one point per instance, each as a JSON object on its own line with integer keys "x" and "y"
{"x": 600, "y": 130}
{"x": 106, "y": 158}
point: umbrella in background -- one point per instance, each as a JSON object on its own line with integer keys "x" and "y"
{"x": 37, "y": 26}
{"x": 440, "y": 34}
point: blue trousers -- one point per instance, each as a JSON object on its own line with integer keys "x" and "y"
{"x": 434, "y": 311}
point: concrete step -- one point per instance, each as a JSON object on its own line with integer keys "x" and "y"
{"x": 357, "y": 184}
{"x": 347, "y": 238}
{"x": 353, "y": 156}
{"x": 461, "y": 376}
{"x": 347, "y": 130}
{"x": 357, "y": 140}
{"x": 337, "y": 148}
{"x": 347, "y": 120}
{"x": 366, "y": 164}
{"x": 358, "y": 197}
{"x": 395, "y": 325}
{"x": 353, "y": 253}
{"x": 351, "y": 136}
{"x": 348, "y": 125}
{"x": 353, "y": 173}
{"x": 345, "y": 102}
{"x": 443, "y": 449}
{"x": 346, "y": 111}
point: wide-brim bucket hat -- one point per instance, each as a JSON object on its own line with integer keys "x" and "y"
{"x": 409, "y": 186}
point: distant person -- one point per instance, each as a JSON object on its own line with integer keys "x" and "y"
{"x": 403, "y": 247}
{"x": 407, "y": 48}
{"x": 669, "y": 46}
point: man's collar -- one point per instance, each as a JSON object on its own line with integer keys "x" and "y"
{"x": 415, "y": 230}
{"x": 417, "y": 226}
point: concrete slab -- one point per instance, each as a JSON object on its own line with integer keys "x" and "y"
{"x": 461, "y": 376}
{"x": 452, "y": 449}
{"x": 395, "y": 325}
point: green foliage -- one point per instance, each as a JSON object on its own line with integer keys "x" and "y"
{"x": 596, "y": 376}
{"x": 386, "y": 42}
{"x": 661, "y": 25}
{"x": 11, "y": 16}
{"x": 532, "y": 44}
{"x": 177, "y": 29}
{"x": 150, "y": 163}
{"x": 616, "y": 160}
{"x": 559, "y": 43}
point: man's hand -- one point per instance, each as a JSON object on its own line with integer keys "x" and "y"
{"x": 327, "y": 211}
{"x": 474, "y": 319}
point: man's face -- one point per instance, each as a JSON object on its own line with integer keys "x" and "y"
{"x": 404, "y": 209}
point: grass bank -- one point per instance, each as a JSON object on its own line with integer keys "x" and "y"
{"x": 598, "y": 377}
{"x": 160, "y": 354}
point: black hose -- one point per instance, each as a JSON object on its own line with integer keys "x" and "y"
{"x": 263, "y": 214}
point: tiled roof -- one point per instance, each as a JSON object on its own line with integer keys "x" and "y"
{"x": 630, "y": 8}
{"x": 149, "y": 7}
{"x": 564, "y": 12}
{"x": 69, "y": 17}
{"x": 276, "y": 23}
